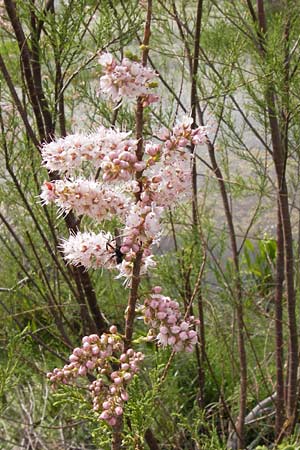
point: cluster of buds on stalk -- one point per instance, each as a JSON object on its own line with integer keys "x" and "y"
{"x": 127, "y": 79}
{"x": 122, "y": 163}
{"x": 110, "y": 398}
{"x": 99, "y": 357}
{"x": 167, "y": 325}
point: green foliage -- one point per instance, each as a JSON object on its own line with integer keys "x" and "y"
{"x": 10, "y": 365}
{"x": 259, "y": 263}
{"x": 280, "y": 447}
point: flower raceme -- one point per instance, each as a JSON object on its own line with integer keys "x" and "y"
{"x": 90, "y": 250}
{"x": 175, "y": 141}
{"x": 108, "y": 149}
{"x": 168, "y": 183}
{"x": 98, "y": 356}
{"x": 115, "y": 154}
{"x": 86, "y": 197}
{"x": 94, "y": 251}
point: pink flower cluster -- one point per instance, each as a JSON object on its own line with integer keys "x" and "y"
{"x": 128, "y": 79}
{"x": 100, "y": 356}
{"x": 86, "y": 197}
{"x": 142, "y": 226}
{"x": 175, "y": 141}
{"x": 167, "y": 325}
{"x": 91, "y": 250}
{"x": 182, "y": 135}
{"x": 94, "y": 251}
{"x": 68, "y": 153}
{"x": 166, "y": 179}
{"x": 171, "y": 183}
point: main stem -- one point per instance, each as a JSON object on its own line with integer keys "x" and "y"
{"x": 279, "y": 418}
{"x": 133, "y": 295}
{"x": 194, "y": 101}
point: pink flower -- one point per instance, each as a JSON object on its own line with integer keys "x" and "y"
{"x": 104, "y": 415}
{"x": 152, "y": 224}
{"x": 82, "y": 371}
{"x": 106, "y": 59}
{"x": 181, "y": 135}
{"x": 119, "y": 411}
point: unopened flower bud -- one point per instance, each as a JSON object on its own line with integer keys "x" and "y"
{"x": 104, "y": 415}
{"x": 119, "y": 411}
{"x": 113, "y": 329}
{"x": 157, "y": 289}
{"x": 106, "y": 405}
{"x": 82, "y": 370}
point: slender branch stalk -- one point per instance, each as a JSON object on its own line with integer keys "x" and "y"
{"x": 133, "y": 295}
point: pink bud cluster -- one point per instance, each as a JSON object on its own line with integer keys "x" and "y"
{"x": 175, "y": 141}
{"x": 121, "y": 163}
{"x": 110, "y": 397}
{"x": 163, "y": 315}
{"x": 92, "y": 355}
{"x": 91, "y": 250}
{"x": 86, "y": 197}
{"x": 99, "y": 356}
{"x": 171, "y": 181}
{"x": 128, "y": 79}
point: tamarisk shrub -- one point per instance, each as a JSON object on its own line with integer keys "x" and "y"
{"x": 136, "y": 190}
